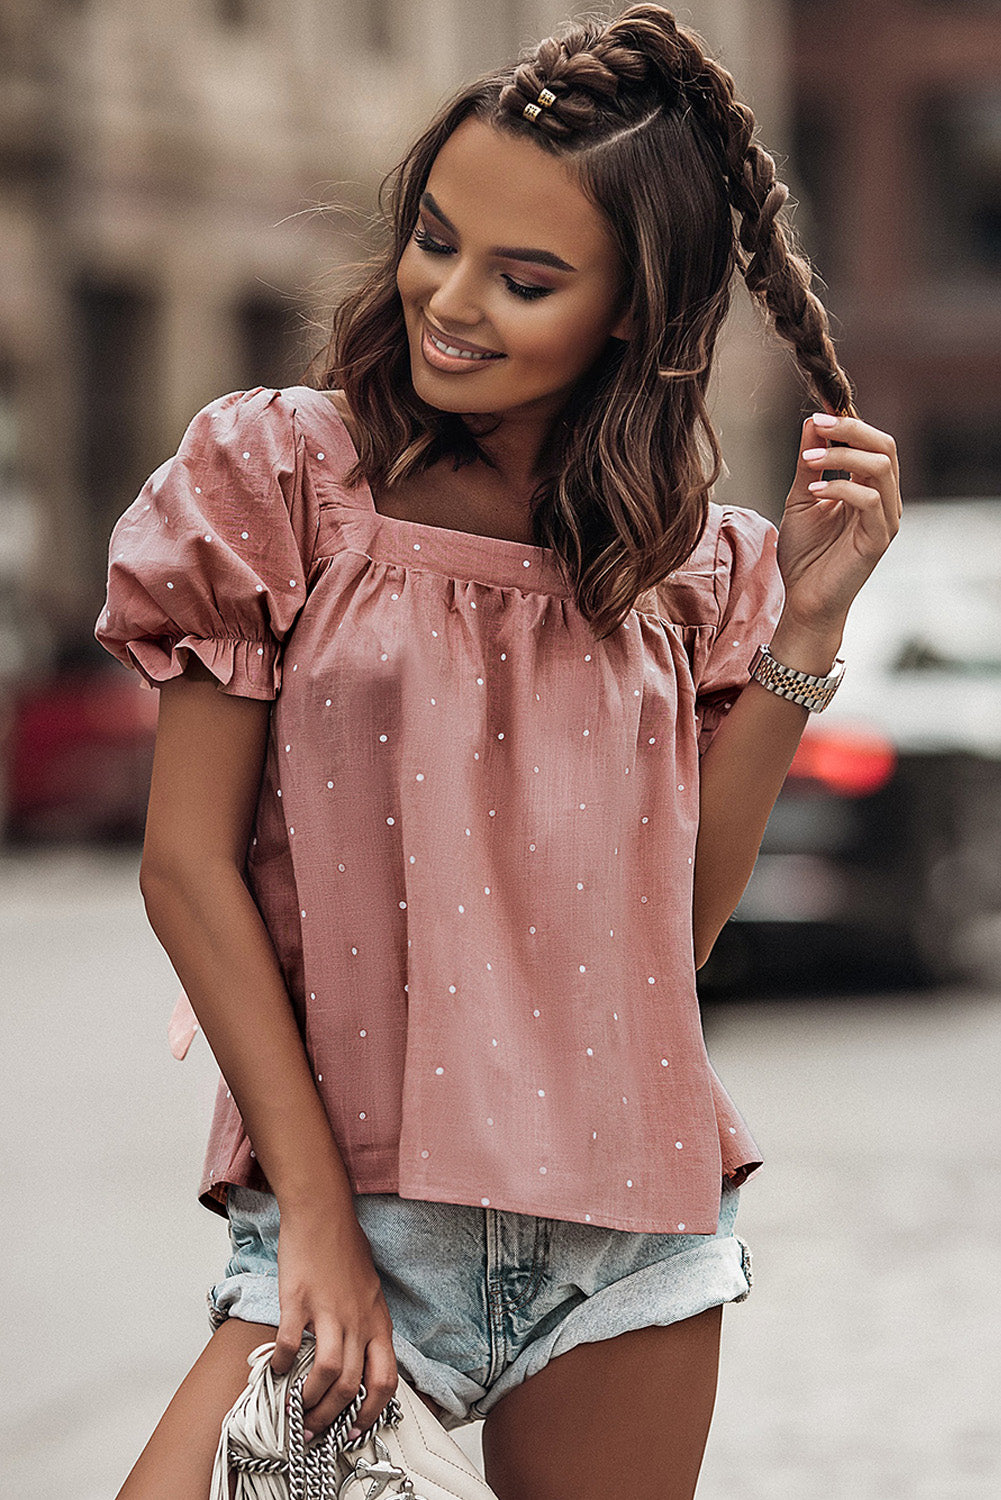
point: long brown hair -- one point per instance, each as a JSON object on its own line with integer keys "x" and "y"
{"x": 660, "y": 144}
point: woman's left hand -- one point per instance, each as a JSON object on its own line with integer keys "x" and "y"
{"x": 831, "y": 537}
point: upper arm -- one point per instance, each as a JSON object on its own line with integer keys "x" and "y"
{"x": 207, "y": 768}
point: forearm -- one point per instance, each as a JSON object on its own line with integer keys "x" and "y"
{"x": 216, "y": 939}
{"x": 741, "y": 775}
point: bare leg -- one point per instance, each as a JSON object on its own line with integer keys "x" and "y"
{"x": 623, "y": 1416}
{"x": 176, "y": 1463}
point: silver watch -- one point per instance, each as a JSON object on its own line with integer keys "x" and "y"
{"x": 814, "y": 693}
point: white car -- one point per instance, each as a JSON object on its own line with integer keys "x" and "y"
{"x": 885, "y": 843}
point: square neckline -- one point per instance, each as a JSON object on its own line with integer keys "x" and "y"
{"x": 502, "y": 543}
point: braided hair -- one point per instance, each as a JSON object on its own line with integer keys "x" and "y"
{"x": 652, "y": 131}
{"x": 591, "y": 70}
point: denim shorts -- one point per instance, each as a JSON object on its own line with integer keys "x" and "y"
{"x": 482, "y": 1298}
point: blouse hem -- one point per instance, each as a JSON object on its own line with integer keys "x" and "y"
{"x": 212, "y": 1195}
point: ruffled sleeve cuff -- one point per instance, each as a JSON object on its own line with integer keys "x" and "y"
{"x": 244, "y": 668}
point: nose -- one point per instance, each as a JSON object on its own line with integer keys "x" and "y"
{"x": 454, "y": 302}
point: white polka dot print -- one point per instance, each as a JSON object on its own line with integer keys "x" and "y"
{"x": 452, "y": 905}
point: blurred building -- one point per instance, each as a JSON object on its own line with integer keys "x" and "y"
{"x": 897, "y": 137}
{"x": 160, "y": 236}
{"x": 164, "y": 234}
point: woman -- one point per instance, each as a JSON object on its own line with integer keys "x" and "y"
{"x": 488, "y": 771}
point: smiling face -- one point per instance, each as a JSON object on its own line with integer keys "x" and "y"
{"x": 493, "y": 201}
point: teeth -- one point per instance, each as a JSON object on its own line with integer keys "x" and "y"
{"x": 461, "y": 353}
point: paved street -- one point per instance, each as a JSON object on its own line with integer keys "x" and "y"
{"x": 864, "y": 1366}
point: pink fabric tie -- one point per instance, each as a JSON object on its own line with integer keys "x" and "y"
{"x": 181, "y": 1027}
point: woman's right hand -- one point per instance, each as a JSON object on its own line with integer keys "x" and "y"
{"x": 328, "y": 1283}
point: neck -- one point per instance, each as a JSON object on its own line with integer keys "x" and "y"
{"x": 516, "y": 447}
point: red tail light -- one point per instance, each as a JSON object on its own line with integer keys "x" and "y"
{"x": 849, "y": 762}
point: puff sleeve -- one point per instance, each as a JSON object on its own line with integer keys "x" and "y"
{"x": 213, "y": 555}
{"x": 749, "y": 596}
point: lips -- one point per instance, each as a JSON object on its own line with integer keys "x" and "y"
{"x": 450, "y": 341}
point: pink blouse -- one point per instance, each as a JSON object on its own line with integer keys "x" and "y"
{"x": 474, "y": 837}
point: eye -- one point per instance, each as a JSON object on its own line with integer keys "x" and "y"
{"x": 432, "y": 246}
{"x": 529, "y": 293}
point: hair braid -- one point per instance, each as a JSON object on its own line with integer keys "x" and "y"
{"x": 583, "y": 73}
{"x": 777, "y": 272}
{"x": 586, "y": 71}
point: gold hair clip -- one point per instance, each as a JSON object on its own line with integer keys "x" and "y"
{"x": 532, "y": 111}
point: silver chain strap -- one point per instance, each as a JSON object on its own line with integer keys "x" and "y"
{"x": 312, "y": 1472}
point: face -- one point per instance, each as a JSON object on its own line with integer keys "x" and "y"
{"x": 524, "y": 268}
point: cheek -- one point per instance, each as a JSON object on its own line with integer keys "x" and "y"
{"x": 564, "y": 340}
{"x": 411, "y": 275}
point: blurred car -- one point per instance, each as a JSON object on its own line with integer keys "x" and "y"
{"x": 78, "y": 753}
{"x": 883, "y": 851}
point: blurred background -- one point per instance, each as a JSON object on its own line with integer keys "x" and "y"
{"x": 183, "y": 196}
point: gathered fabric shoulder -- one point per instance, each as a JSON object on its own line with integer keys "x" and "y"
{"x": 213, "y": 556}
{"x": 725, "y": 600}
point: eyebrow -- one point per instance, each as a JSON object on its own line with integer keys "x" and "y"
{"x": 506, "y": 252}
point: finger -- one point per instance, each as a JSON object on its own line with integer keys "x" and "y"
{"x": 381, "y": 1380}
{"x": 854, "y": 433}
{"x": 810, "y": 441}
{"x": 287, "y": 1341}
{"x": 859, "y": 465}
{"x": 325, "y": 1371}
{"x": 342, "y": 1391}
{"x": 872, "y": 465}
{"x": 865, "y": 503}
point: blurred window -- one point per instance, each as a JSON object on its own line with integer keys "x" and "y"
{"x": 117, "y": 328}
{"x": 959, "y": 453}
{"x": 817, "y": 150}
{"x": 377, "y": 20}
{"x": 959, "y": 143}
{"x": 234, "y": 12}
{"x": 8, "y": 424}
{"x": 269, "y": 343}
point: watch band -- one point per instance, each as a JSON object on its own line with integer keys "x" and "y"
{"x": 814, "y": 693}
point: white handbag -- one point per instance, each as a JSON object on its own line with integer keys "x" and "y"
{"x": 405, "y": 1452}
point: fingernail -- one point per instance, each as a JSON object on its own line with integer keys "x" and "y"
{"x": 818, "y": 484}
{"x": 354, "y": 1432}
{"x": 309, "y": 1436}
{"x": 811, "y": 453}
{"x": 823, "y": 419}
